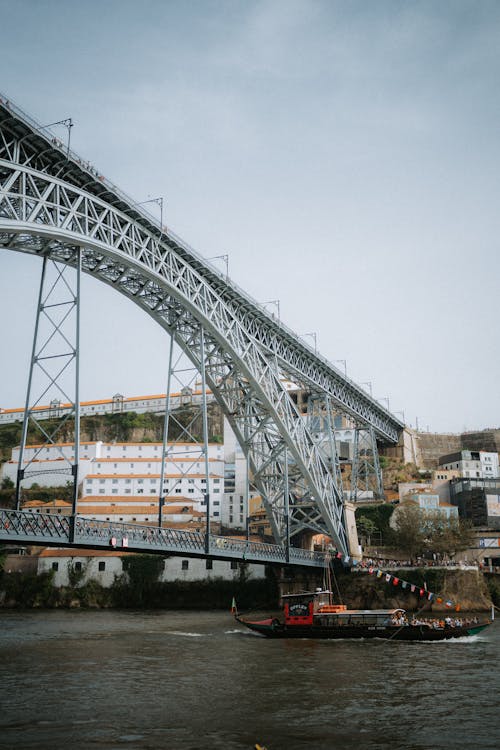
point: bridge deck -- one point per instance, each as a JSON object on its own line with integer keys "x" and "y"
{"x": 52, "y": 530}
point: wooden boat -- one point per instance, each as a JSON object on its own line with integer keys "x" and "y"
{"x": 312, "y": 615}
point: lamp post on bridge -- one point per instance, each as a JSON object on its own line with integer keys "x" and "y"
{"x": 275, "y": 302}
{"x": 68, "y": 123}
{"x": 369, "y": 384}
{"x": 386, "y": 399}
{"x": 159, "y": 202}
{"x": 342, "y": 361}
{"x": 314, "y": 337}
{"x": 224, "y": 258}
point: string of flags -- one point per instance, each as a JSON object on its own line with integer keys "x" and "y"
{"x": 413, "y": 588}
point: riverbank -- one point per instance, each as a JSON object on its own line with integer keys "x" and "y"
{"x": 472, "y": 590}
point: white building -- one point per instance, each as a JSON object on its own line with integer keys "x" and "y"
{"x": 472, "y": 464}
{"x": 105, "y": 565}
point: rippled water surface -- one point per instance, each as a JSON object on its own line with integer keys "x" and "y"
{"x": 190, "y": 681}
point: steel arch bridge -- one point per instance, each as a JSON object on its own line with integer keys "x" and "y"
{"x": 53, "y": 204}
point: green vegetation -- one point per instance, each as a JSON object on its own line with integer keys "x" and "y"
{"x": 375, "y": 519}
{"x": 137, "y": 587}
{"x": 416, "y": 533}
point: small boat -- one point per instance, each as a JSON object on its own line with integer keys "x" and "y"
{"x": 312, "y": 615}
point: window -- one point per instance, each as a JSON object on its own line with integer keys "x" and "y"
{"x": 55, "y": 566}
{"x": 102, "y": 481}
{"x": 102, "y": 565}
{"x": 114, "y": 481}
{"x": 234, "y": 565}
{"x": 114, "y": 492}
{"x": 191, "y": 491}
{"x": 178, "y": 490}
{"x": 209, "y": 564}
{"x": 128, "y": 481}
{"x": 185, "y": 565}
{"x": 78, "y": 566}
{"x": 140, "y": 481}
{"x": 216, "y": 490}
{"x": 102, "y": 492}
{"x": 216, "y": 513}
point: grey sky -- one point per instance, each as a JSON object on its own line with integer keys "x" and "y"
{"x": 345, "y": 155}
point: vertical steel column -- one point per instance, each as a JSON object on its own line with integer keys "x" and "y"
{"x": 247, "y": 494}
{"x": 287, "y": 507}
{"x": 376, "y": 465}
{"x": 164, "y": 449}
{"x": 353, "y": 495}
{"x": 20, "y": 470}
{"x": 76, "y": 454}
{"x": 205, "y": 437}
{"x": 333, "y": 448}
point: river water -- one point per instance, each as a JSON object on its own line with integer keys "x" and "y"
{"x": 198, "y": 681}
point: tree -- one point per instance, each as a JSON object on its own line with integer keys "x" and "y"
{"x": 447, "y": 536}
{"x": 366, "y": 528}
{"x": 409, "y": 530}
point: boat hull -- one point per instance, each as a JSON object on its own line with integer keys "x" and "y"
{"x": 276, "y": 629}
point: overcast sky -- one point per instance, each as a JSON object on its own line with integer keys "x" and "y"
{"x": 344, "y": 154}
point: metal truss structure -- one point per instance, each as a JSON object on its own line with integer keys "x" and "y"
{"x": 54, "y": 370}
{"x": 52, "y": 203}
{"x": 49, "y": 530}
{"x": 366, "y": 474}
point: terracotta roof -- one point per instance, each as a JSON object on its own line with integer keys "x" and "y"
{"x": 49, "y": 504}
{"x": 157, "y": 459}
{"x": 188, "y": 475}
{"x": 68, "y": 552}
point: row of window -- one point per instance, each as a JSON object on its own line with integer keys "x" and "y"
{"x": 185, "y": 565}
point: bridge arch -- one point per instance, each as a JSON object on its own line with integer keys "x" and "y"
{"x": 52, "y": 201}
{"x": 42, "y": 215}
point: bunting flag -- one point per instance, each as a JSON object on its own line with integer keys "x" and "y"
{"x": 422, "y": 591}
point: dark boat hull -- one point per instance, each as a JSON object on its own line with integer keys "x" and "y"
{"x": 275, "y": 629}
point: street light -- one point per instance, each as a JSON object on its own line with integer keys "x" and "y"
{"x": 224, "y": 258}
{"x": 342, "y": 361}
{"x": 159, "y": 202}
{"x": 368, "y": 383}
{"x": 314, "y": 338}
{"x": 400, "y": 411}
{"x": 68, "y": 123}
{"x": 385, "y": 398}
{"x": 275, "y": 302}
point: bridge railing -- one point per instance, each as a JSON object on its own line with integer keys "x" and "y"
{"x": 26, "y": 527}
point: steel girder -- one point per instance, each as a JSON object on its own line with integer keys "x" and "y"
{"x": 24, "y": 142}
{"x": 42, "y": 215}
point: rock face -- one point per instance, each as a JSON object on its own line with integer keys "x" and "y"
{"x": 464, "y": 587}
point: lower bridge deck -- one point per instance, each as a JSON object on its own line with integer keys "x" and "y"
{"x": 51, "y": 530}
